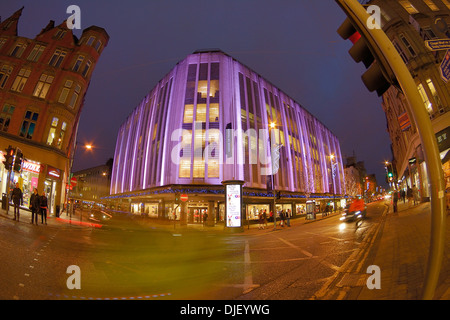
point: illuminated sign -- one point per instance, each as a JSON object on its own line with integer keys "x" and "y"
{"x": 31, "y": 166}
{"x": 233, "y": 194}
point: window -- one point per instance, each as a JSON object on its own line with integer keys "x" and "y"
{"x": 5, "y": 117}
{"x": 188, "y": 113}
{"x": 60, "y": 34}
{"x": 447, "y": 3}
{"x": 75, "y": 95}
{"x": 431, "y": 5}
{"x": 400, "y": 51}
{"x": 18, "y": 50}
{"x": 86, "y": 68}
{"x": 90, "y": 41}
{"x": 52, "y": 132}
{"x": 78, "y": 63}
{"x": 98, "y": 45}
{"x": 214, "y": 112}
{"x": 425, "y": 99}
{"x": 408, "y": 6}
{"x": 5, "y": 71}
{"x": 28, "y": 125}
{"x": 65, "y": 91}
{"x": 43, "y": 86}
{"x": 36, "y": 53}
{"x": 429, "y": 33}
{"x": 57, "y": 58}
{"x": 21, "y": 80}
{"x": 434, "y": 93}
{"x": 408, "y": 45}
{"x": 61, "y": 135}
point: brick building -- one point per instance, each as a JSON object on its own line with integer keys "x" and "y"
{"x": 43, "y": 82}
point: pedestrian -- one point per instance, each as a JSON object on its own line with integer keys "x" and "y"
{"x": 34, "y": 206}
{"x": 395, "y": 199}
{"x": 403, "y": 195}
{"x": 271, "y": 216}
{"x": 265, "y": 218}
{"x": 205, "y": 218}
{"x": 17, "y": 198}
{"x": 43, "y": 206}
{"x": 409, "y": 195}
{"x": 282, "y": 218}
{"x": 288, "y": 217}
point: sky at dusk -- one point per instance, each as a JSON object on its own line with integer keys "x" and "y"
{"x": 291, "y": 43}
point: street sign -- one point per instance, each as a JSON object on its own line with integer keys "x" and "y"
{"x": 184, "y": 197}
{"x": 438, "y": 44}
{"x": 445, "y": 67}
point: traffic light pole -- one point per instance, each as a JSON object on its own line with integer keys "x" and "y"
{"x": 417, "y": 112}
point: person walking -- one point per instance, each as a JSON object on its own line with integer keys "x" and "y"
{"x": 409, "y": 195}
{"x": 395, "y": 200}
{"x": 265, "y": 218}
{"x": 17, "y": 198}
{"x": 288, "y": 217}
{"x": 282, "y": 218}
{"x": 34, "y": 206}
{"x": 43, "y": 206}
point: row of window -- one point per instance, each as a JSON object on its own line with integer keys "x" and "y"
{"x": 70, "y": 89}
{"x": 409, "y": 7}
{"x": 55, "y": 137}
{"x": 81, "y": 64}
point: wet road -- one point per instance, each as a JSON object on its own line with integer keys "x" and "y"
{"x": 133, "y": 260}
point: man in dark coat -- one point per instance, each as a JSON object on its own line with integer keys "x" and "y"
{"x": 17, "y": 198}
{"x": 35, "y": 206}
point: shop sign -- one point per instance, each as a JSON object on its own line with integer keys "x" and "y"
{"x": 31, "y": 166}
{"x": 53, "y": 172}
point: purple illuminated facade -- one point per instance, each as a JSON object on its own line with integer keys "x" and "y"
{"x": 177, "y": 140}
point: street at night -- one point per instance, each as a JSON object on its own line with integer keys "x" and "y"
{"x": 128, "y": 259}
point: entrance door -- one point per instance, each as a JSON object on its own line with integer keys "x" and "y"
{"x": 195, "y": 214}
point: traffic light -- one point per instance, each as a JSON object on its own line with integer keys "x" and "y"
{"x": 18, "y": 161}
{"x": 9, "y": 158}
{"x": 177, "y": 198}
{"x": 379, "y": 76}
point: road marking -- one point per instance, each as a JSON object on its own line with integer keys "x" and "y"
{"x": 248, "y": 276}
{"x": 306, "y": 253}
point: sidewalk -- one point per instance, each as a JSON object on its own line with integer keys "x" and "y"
{"x": 52, "y": 221}
{"x": 252, "y": 229}
{"x": 402, "y": 255}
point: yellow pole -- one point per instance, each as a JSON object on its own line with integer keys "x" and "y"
{"x": 416, "y": 111}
